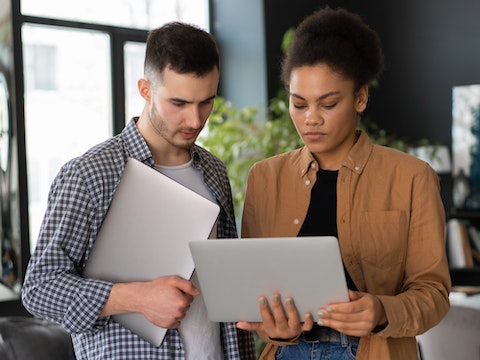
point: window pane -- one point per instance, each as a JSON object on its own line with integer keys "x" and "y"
{"x": 68, "y": 105}
{"x": 134, "y": 58}
{"x": 141, "y": 14}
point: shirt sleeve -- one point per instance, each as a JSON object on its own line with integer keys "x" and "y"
{"x": 54, "y": 287}
{"x": 424, "y": 298}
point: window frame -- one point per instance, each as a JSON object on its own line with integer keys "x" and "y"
{"x": 119, "y": 36}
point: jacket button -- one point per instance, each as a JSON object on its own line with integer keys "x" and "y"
{"x": 296, "y": 221}
{"x": 307, "y": 182}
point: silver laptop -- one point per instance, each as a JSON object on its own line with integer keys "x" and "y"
{"x": 234, "y": 273}
{"x": 145, "y": 235}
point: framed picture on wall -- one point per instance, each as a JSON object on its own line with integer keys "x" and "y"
{"x": 466, "y": 146}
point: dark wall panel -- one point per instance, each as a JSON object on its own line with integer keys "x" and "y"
{"x": 430, "y": 46}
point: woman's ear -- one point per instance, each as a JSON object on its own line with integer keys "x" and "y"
{"x": 361, "y": 99}
{"x": 144, "y": 88}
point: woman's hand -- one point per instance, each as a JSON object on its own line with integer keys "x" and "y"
{"x": 276, "y": 323}
{"x": 358, "y": 317}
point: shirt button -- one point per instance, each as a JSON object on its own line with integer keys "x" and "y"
{"x": 296, "y": 221}
{"x": 312, "y": 166}
{"x": 357, "y": 168}
{"x": 307, "y": 182}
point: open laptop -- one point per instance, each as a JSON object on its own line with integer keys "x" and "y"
{"x": 145, "y": 235}
{"x": 234, "y": 273}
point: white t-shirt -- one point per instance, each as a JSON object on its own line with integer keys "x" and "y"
{"x": 200, "y": 336}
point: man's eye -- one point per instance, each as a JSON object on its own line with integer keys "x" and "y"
{"x": 207, "y": 102}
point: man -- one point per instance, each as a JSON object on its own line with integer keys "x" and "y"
{"x": 180, "y": 84}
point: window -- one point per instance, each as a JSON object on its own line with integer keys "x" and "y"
{"x": 134, "y": 57}
{"x": 40, "y": 61}
{"x": 68, "y": 103}
{"x": 72, "y": 88}
{"x": 139, "y": 14}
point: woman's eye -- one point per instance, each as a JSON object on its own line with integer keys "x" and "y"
{"x": 299, "y": 106}
{"x": 329, "y": 106}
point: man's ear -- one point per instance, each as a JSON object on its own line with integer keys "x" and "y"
{"x": 361, "y": 99}
{"x": 144, "y": 88}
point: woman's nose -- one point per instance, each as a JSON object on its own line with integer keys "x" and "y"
{"x": 312, "y": 118}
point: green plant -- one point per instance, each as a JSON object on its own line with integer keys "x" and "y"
{"x": 232, "y": 134}
{"x": 240, "y": 139}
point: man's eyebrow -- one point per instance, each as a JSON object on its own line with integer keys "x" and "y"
{"x": 324, "y": 96}
{"x": 175, "y": 99}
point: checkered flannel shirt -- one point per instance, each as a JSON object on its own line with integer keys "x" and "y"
{"x": 79, "y": 198}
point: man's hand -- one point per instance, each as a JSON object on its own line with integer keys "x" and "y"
{"x": 164, "y": 301}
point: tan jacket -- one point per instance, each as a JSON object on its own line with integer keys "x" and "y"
{"x": 391, "y": 230}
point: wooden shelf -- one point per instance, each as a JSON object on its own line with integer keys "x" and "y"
{"x": 465, "y": 276}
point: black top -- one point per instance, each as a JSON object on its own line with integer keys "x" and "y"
{"x": 321, "y": 219}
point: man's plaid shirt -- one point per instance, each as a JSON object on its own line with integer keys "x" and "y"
{"x": 78, "y": 202}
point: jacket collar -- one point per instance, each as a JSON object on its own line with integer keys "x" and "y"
{"x": 356, "y": 159}
{"x": 358, "y": 156}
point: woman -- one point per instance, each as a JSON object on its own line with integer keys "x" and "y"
{"x": 382, "y": 204}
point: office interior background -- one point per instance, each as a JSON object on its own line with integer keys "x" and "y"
{"x": 70, "y": 71}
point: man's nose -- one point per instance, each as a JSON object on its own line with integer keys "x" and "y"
{"x": 194, "y": 119}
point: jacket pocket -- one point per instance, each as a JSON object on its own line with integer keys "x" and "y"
{"x": 383, "y": 238}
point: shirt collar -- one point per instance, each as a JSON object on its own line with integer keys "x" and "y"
{"x": 137, "y": 147}
{"x": 135, "y": 144}
{"x": 358, "y": 156}
{"x": 355, "y": 161}
{"x": 307, "y": 162}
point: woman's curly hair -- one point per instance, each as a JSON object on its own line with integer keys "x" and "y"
{"x": 341, "y": 40}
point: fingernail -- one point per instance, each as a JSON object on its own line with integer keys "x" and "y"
{"x": 289, "y": 302}
{"x": 329, "y": 310}
{"x": 320, "y": 323}
{"x": 321, "y": 314}
{"x": 275, "y": 298}
{"x": 262, "y": 301}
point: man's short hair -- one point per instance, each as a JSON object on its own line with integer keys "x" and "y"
{"x": 182, "y": 47}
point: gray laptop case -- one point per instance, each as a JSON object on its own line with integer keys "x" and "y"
{"x": 145, "y": 235}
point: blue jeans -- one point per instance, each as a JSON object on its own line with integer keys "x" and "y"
{"x": 317, "y": 350}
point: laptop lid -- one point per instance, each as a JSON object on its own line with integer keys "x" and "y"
{"x": 145, "y": 235}
{"x": 234, "y": 273}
